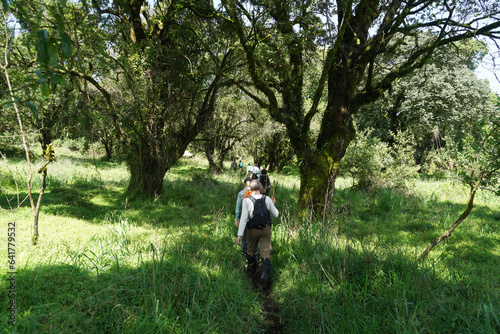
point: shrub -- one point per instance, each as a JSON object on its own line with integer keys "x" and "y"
{"x": 75, "y": 145}
{"x": 401, "y": 166}
{"x": 290, "y": 171}
{"x": 373, "y": 163}
{"x": 365, "y": 159}
{"x": 438, "y": 163}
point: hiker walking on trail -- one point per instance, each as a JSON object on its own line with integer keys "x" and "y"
{"x": 265, "y": 181}
{"x": 256, "y": 170}
{"x": 237, "y": 213}
{"x": 249, "y": 169}
{"x": 233, "y": 166}
{"x": 256, "y": 214}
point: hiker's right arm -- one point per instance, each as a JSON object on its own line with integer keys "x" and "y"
{"x": 237, "y": 211}
{"x": 244, "y": 218}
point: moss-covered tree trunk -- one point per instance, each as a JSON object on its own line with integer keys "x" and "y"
{"x": 147, "y": 178}
{"x": 215, "y": 165}
{"x": 320, "y": 167}
{"x": 45, "y": 136}
{"x": 147, "y": 171}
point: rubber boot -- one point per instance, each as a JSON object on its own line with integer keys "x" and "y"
{"x": 244, "y": 246}
{"x": 251, "y": 265}
{"x": 266, "y": 271}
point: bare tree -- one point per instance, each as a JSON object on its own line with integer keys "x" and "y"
{"x": 49, "y": 152}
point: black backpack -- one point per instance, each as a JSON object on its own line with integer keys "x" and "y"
{"x": 264, "y": 180}
{"x": 261, "y": 214}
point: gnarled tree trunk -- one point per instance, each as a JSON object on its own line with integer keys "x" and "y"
{"x": 146, "y": 174}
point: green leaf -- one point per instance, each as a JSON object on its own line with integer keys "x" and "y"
{"x": 67, "y": 48}
{"x": 52, "y": 51}
{"x": 5, "y": 5}
{"x": 55, "y": 79}
{"x": 63, "y": 3}
{"x": 60, "y": 22}
{"x": 42, "y": 47}
{"x": 45, "y": 89}
{"x": 33, "y": 109}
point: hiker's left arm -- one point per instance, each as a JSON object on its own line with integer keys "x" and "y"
{"x": 237, "y": 210}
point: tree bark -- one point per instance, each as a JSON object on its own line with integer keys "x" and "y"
{"x": 45, "y": 137}
{"x": 107, "y": 142}
{"x": 319, "y": 171}
{"x": 36, "y": 210}
{"x": 320, "y": 167}
{"x": 147, "y": 171}
{"x": 214, "y": 164}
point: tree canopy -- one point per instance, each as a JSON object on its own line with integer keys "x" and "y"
{"x": 365, "y": 51}
{"x": 160, "y": 69}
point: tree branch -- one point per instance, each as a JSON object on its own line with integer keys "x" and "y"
{"x": 327, "y": 64}
{"x": 465, "y": 214}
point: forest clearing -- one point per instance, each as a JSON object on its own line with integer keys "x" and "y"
{"x": 171, "y": 265}
{"x": 367, "y": 117}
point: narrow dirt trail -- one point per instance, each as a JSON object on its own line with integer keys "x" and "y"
{"x": 271, "y": 312}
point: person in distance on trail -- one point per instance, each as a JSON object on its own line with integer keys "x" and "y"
{"x": 256, "y": 169}
{"x": 233, "y": 166}
{"x": 249, "y": 170}
{"x": 256, "y": 214}
{"x": 265, "y": 181}
{"x": 237, "y": 213}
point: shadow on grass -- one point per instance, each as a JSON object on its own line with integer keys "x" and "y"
{"x": 100, "y": 163}
{"x": 68, "y": 201}
{"x": 185, "y": 202}
{"x": 325, "y": 288}
{"x": 193, "y": 284}
{"x": 155, "y": 297}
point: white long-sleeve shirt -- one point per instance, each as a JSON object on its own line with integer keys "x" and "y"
{"x": 247, "y": 211}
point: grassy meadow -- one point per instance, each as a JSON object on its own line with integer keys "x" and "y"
{"x": 109, "y": 264}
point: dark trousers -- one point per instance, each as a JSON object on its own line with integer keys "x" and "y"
{"x": 262, "y": 238}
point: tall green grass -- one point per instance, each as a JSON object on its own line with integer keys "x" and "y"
{"x": 106, "y": 263}
{"x": 358, "y": 272}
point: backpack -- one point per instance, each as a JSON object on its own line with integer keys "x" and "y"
{"x": 261, "y": 214}
{"x": 264, "y": 180}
